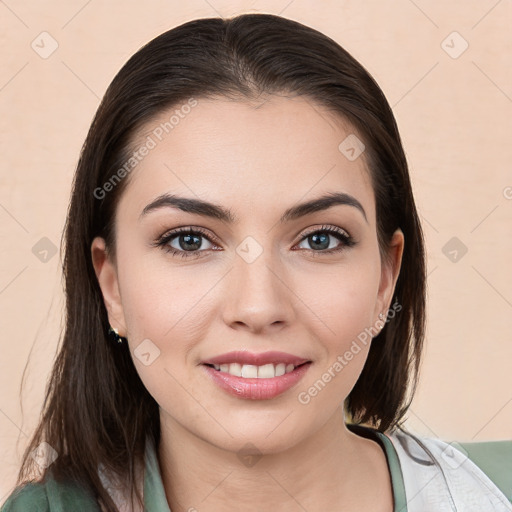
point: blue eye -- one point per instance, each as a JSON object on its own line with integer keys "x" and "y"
{"x": 320, "y": 240}
{"x": 190, "y": 240}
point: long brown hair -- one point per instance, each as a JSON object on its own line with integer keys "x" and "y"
{"x": 96, "y": 409}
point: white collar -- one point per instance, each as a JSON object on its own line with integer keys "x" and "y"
{"x": 438, "y": 477}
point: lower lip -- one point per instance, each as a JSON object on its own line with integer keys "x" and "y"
{"x": 256, "y": 389}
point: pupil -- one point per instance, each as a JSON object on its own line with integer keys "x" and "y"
{"x": 323, "y": 244}
{"x": 188, "y": 244}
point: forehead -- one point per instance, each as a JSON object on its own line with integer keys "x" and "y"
{"x": 276, "y": 151}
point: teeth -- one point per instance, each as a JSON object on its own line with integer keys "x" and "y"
{"x": 249, "y": 371}
{"x": 267, "y": 371}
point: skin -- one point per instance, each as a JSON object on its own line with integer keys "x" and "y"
{"x": 257, "y": 159}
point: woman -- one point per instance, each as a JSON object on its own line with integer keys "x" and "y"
{"x": 245, "y": 284}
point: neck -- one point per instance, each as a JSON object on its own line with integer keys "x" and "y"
{"x": 332, "y": 468}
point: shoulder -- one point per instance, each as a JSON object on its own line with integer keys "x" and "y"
{"x": 49, "y": 496}
{"x": 494, "y": 458}
{"x": 472, "y": 476}
{"x": 27, "y": 498}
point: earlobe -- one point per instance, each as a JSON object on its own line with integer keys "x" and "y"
{"x": 106, "y": 274}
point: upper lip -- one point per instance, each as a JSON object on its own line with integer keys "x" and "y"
{"x": 243, "y": 357}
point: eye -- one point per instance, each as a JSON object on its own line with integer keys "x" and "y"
{"x": 187, "y": 242}
{"x": 320, "y": 240}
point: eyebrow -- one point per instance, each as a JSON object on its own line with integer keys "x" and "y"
{"x": 207, "y": 209}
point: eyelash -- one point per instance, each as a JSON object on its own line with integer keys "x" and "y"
{"x": 163, "y": 241}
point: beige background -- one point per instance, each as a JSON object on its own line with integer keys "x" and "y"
{"x": 454, "y": 117}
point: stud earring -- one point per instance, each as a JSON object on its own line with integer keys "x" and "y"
{"x": 114, "y": 335}
{"x": 381, "y": 316}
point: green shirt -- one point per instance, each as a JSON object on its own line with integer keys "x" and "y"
{"x": 494, "y": 458}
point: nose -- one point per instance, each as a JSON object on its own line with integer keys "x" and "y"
{"x": 258, "y": 296}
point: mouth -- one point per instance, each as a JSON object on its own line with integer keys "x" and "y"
{"x": 253, "y": 376}
{"x": 250, "y": 371}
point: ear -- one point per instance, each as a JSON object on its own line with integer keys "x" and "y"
{"x": 390, "y": 270}
{"x": 106, "y": 274}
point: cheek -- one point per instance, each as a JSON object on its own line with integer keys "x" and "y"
{"x": 344, "y": 298}
{"x": 159, "y": 298}
{"x": 168, "y": 312}
{"x": 345, "y": 337}
{"x": 341, "y": 306}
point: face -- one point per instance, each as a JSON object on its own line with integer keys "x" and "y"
{"x": 189, "y": 287}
